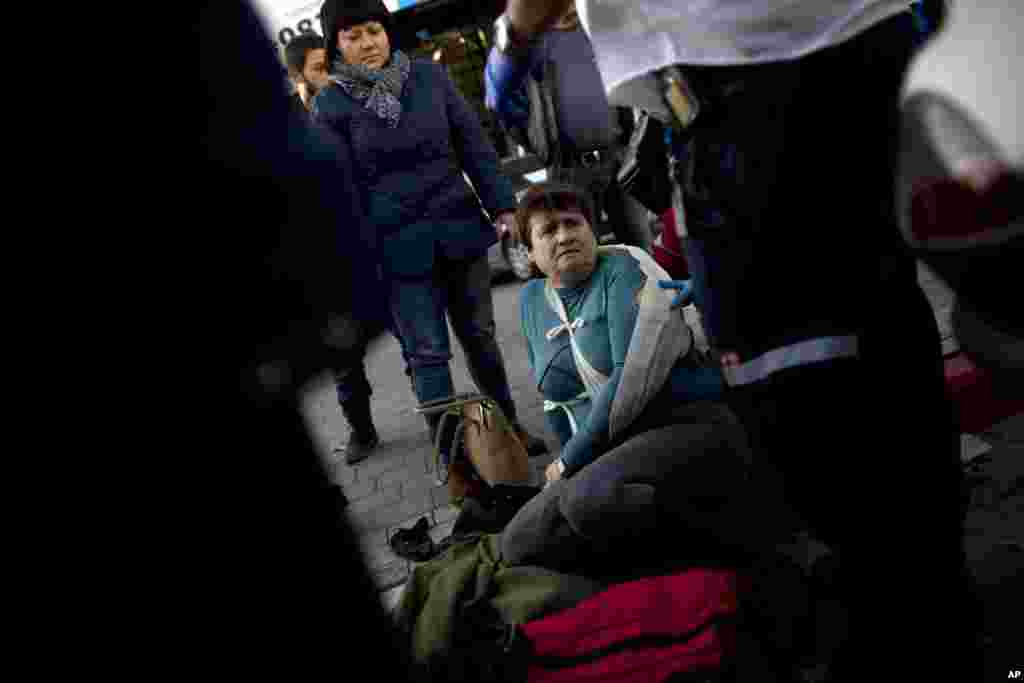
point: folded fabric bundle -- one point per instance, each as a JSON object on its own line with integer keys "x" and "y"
{"x": 471, "y": 578}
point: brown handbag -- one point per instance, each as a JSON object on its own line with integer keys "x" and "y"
{"x": 482, "y": 450}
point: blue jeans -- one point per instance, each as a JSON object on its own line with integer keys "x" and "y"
{"x": 459, "y": 291}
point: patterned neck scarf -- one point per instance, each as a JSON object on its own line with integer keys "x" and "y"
{"x": 377, "y": 89}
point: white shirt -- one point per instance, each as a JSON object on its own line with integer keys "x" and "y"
{"x": 632, "y": 38}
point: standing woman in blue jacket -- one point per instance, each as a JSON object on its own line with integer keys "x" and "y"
{"x": 412, "y": 136}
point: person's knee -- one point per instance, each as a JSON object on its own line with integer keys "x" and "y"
{"x": 601, "y": 504}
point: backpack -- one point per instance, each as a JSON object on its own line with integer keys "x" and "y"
{"x": 475, "y": 446}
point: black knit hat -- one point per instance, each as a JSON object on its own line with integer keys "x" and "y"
{"x": 338, "y": 14}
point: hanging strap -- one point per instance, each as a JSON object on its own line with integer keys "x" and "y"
{"x": 442, "y": 466}
{"x": 551, "y": 406}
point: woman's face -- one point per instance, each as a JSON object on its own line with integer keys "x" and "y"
{"x": 315, "y": 72}
{"x": 564, "y": 246}
{"x": 365, "y": 44}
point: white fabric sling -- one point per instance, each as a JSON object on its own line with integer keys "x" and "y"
{"x": 660, "y": 337}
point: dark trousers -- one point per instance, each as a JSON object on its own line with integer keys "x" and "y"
{"x": 682, "y": 473}
{"x": 349, "y": 363}
{"x": 789, "y": 200}
{"x": 459, "y": 291}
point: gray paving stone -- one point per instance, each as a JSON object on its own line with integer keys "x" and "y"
{"x": 342, "y": 474}
{"x": 444, "y": 513}
{"x": 382, "y": 460}
{"x": 441, "y": 531}
{"x": 382, "y": 517}
{"x": 392, "y": 597}
{"x": 440, "y": 497}
{"x": 382, "y": 497}
{"x": 409, "y": 474}
{"x": 415, "y": 505}
{"x": 379, "y": 557}
{"x": 357, "y": 491}
{"x": 419, "y": 484}
{"x": 375, "y": 538}
{"x": 391, "y": 575}
{"x": 391, "y": 514}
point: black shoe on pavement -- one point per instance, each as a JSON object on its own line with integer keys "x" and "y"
{"x": 414, "y": 543}
{"x": 364, "y": 435}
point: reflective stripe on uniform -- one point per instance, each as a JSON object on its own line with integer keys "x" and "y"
{"x": 801, "y": 353}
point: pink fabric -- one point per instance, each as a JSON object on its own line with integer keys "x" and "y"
{"x": 668, "y": 250}
{"x": 965, "y": 207}
{"x": 667, "y": 606}
{"x": 978, "y": 405}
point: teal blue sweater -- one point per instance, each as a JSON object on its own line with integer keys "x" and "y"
{"x": 607, "y": 302}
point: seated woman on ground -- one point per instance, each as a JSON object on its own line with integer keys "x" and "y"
{"x": 610, "y": 350}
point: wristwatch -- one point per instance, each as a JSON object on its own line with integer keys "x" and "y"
{"x": 508, "y": 40}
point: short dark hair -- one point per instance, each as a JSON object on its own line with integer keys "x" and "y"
{"x": 298, "y": 47}
{"x": 550, "y": 196}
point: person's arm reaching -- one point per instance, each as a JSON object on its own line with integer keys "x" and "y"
{"x": 504, "y": 80}
{"x": 530, "y": 18}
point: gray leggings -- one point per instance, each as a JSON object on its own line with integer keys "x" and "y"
{"x": 689, "y": 481}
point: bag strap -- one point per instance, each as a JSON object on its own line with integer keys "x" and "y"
{"x": 548, "y": 90}
{"x": 456, "y": 413}
{"x": 455, "y": 408}
{"x": 536, "y": 127}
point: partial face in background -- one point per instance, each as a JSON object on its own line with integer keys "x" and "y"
{"x": 314, "y": 73}
{"x": 564, "y": 246}
{"x": 365, "y": 44}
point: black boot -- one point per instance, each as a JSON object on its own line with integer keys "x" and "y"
{"x": 433, "y": 421}
{"x": 363, "y": 438}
